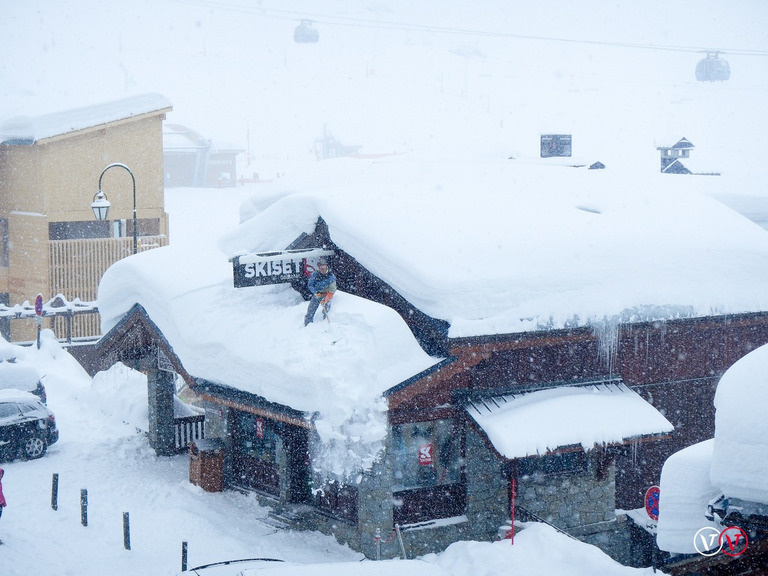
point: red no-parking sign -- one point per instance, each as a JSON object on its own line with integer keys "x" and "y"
{"x": 39, "y": 305}
{"x": 652, "y": 503}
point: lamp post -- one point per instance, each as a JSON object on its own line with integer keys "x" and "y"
{"x": 100, "y": 204}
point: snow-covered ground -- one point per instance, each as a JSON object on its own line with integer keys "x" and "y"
{"x": 102, "y": 451}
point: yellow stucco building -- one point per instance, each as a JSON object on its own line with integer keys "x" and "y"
{"x": 50, "y": 168}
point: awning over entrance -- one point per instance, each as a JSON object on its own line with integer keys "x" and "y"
{"x": 531, "y": 423}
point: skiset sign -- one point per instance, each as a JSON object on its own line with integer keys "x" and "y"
{"x": 277, "y": 267}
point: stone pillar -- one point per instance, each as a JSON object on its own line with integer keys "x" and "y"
{"x": 160, "y": 390}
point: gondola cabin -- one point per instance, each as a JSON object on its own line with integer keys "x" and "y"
{"x": 305, "y": 33}
{"x": 713, "y": 69}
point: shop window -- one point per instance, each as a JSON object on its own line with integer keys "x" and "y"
{"x": 427, "y": 471}
{"x": 256, "y": 452}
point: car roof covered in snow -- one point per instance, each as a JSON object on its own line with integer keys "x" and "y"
{"x": 10, "y": 395}
{"x": 18, "y": 376}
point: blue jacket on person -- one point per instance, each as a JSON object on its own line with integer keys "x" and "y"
{"x": 319, "y": 282}
{"x": 322, "y": 287}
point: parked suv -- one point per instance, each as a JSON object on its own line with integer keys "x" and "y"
{"x": 27, "y": 426}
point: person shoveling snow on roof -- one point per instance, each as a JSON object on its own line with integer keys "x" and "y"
{"x": 322, "y": 284}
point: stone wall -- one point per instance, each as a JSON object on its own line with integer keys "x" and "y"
{"x": 487, "y": 489}
{"x": 571, "y": 500}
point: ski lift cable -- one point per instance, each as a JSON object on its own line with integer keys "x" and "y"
{"x": 350, "y": 21}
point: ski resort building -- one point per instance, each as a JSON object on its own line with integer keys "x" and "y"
{"x": 507, "y": 339}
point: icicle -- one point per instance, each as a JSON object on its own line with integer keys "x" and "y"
{"x": 607, "y": 333}
{"x": 634, "y": 445}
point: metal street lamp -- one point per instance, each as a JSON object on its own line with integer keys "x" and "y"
{"x": 100, "y": 204}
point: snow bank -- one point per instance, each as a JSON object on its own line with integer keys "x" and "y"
{"x": 121, "y": 393}
{"x": 740, "y": 452}
{"x": 685, "y": 491}
{"x": 539, "y": 550}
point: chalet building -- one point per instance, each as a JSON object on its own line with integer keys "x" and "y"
{"x": 671, "y": 157}
{"x": 563, "y": 422}
{"x": 50, "y": 167}
{"x": 191, "y": 160}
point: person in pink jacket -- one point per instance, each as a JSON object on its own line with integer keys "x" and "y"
{"x": 2, "y": 498}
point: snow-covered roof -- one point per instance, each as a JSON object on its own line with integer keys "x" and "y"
{"x": 682, "y": 144}
{"x": 180, "y": 138}
{"x": 538, "y": 422}
{"x": 27, "y": 130}
{"x": 254, "y": 339}
{"x": 505, "y": 246}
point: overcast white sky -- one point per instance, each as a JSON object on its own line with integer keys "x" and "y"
{"x": 394, "y": 76}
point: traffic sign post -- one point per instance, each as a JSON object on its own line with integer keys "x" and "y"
{"x": 39, "y": 316}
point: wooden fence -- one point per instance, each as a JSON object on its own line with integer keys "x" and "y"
{"x": 187, "y": 429}
{"x": 76, "y": 267}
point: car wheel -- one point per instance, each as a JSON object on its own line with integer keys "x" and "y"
{"x": 33, "y": 447}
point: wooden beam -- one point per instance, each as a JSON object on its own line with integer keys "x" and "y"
{"x": 485, "y": 348}
{"x": 271, "y": 414}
